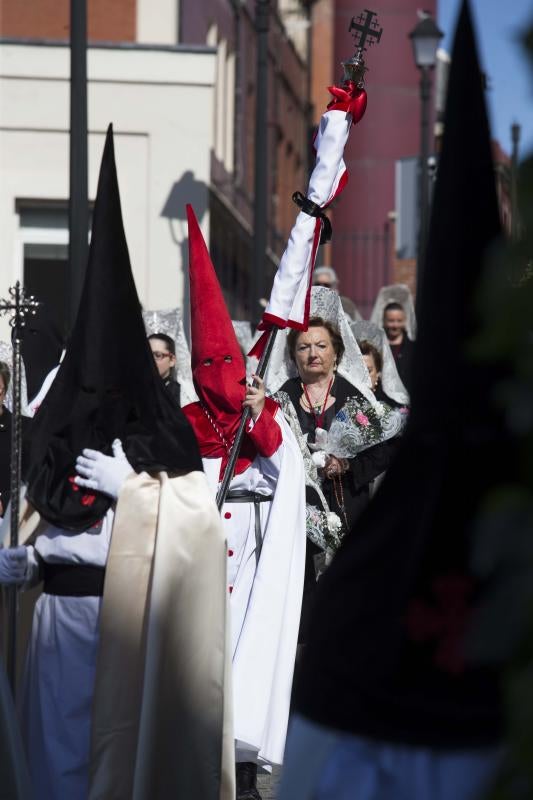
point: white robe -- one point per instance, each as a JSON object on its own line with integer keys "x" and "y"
{"x": 266, "y": 596}
{"x": 60, "y": 670}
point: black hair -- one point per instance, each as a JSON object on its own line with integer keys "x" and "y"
{"x": 168, "y": 340}
{"x": 393, "y": 306}
{"x": 5, "y": 374}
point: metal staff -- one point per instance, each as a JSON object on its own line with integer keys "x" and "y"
{"x": 21, "y": 307}
{"x": 365, "y": 32}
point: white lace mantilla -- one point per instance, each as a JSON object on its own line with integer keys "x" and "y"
{"x": 170, "y": 322}
{"x": 396, "y": 293}
{"x": 325, "y": 303}
{"x": 390, "y": 379}
{"x": 323, "y": 527}
{"x": 6, "y": 355}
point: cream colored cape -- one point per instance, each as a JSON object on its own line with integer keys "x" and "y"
{"x": 161, "y": 725}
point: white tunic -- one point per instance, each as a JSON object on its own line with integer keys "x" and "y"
{"x": 266, "y": 595}
{"x": 60, "y": 671}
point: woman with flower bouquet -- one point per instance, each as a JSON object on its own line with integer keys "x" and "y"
{"x": 347, "y": 437}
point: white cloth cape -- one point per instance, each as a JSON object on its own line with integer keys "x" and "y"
{"x": 289, "y": 300}
{"x": 266, "y": 597}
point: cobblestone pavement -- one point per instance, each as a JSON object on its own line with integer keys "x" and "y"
{"x": 268, "y": 784}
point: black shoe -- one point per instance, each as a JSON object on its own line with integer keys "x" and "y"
{"x": 246, "y": 773}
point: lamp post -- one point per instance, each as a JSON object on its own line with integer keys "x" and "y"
{"x": 262, "y": 20}
{"x": 515, "y": 222}
{"x": 78, "y": 203}
{"x": 425, "y": 40}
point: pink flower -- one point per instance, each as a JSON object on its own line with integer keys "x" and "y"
{"x": 361, "y": 419}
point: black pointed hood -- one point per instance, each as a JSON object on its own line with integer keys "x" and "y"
{"x": 107, "y": 385}
{"x": 386, "y": 656}
{"x": 464, "y": 224}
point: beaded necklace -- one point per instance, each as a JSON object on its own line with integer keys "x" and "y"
{"x": 227, "y": 445}
{"x": 339, "y": 496}
{"x": 320, "y": 418}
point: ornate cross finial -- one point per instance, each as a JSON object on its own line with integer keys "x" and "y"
{"x": 366, "y": 30}
{"x": 21, "y": 307}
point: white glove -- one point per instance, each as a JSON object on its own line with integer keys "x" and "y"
{"x": 13, "y": 564}
{"x": 104, "y": 473}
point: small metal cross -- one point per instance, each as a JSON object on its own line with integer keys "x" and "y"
{"x": 366, "y": 29}
{"x": 21, "y": 306}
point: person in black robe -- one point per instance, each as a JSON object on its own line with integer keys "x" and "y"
{"x": 391, "y": 699}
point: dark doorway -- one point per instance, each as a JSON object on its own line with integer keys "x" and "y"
{"x": 45, "y": 277}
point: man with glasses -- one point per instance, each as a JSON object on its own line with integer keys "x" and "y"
{"x": 164, "y": 353}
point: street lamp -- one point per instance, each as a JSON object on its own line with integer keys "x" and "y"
{"x": 260, "y": 239}
{"x": 425, "y": 40}
{"x": 78, "y": 208}
{"x": 515, "y": 138}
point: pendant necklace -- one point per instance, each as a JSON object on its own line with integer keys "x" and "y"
{"x": 314, "y": 408}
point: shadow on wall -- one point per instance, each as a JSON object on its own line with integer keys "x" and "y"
{"x": 186, "y": 190}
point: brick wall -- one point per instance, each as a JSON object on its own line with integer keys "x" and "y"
{"x": 49, "y": 19}
{"x": 404, "y": 271}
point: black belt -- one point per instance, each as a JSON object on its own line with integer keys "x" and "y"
{"x": 73, "y": 580}
{"x": 242, "y": 496}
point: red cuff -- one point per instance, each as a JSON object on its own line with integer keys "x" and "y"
{"x": 348, "y": 98}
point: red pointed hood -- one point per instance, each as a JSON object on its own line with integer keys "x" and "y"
{"x": 218, "y": 367}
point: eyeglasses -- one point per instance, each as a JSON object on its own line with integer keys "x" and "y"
{"x": 160, "y": 356}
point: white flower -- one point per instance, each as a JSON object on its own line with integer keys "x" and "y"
{"x": 319, "y": 458}
{"x": 378, "y": 408}
{"x": 333, "y": 522}
{"x": 321, "y": 438}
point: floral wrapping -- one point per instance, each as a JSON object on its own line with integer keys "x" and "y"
{"x": 357, "y": 426}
